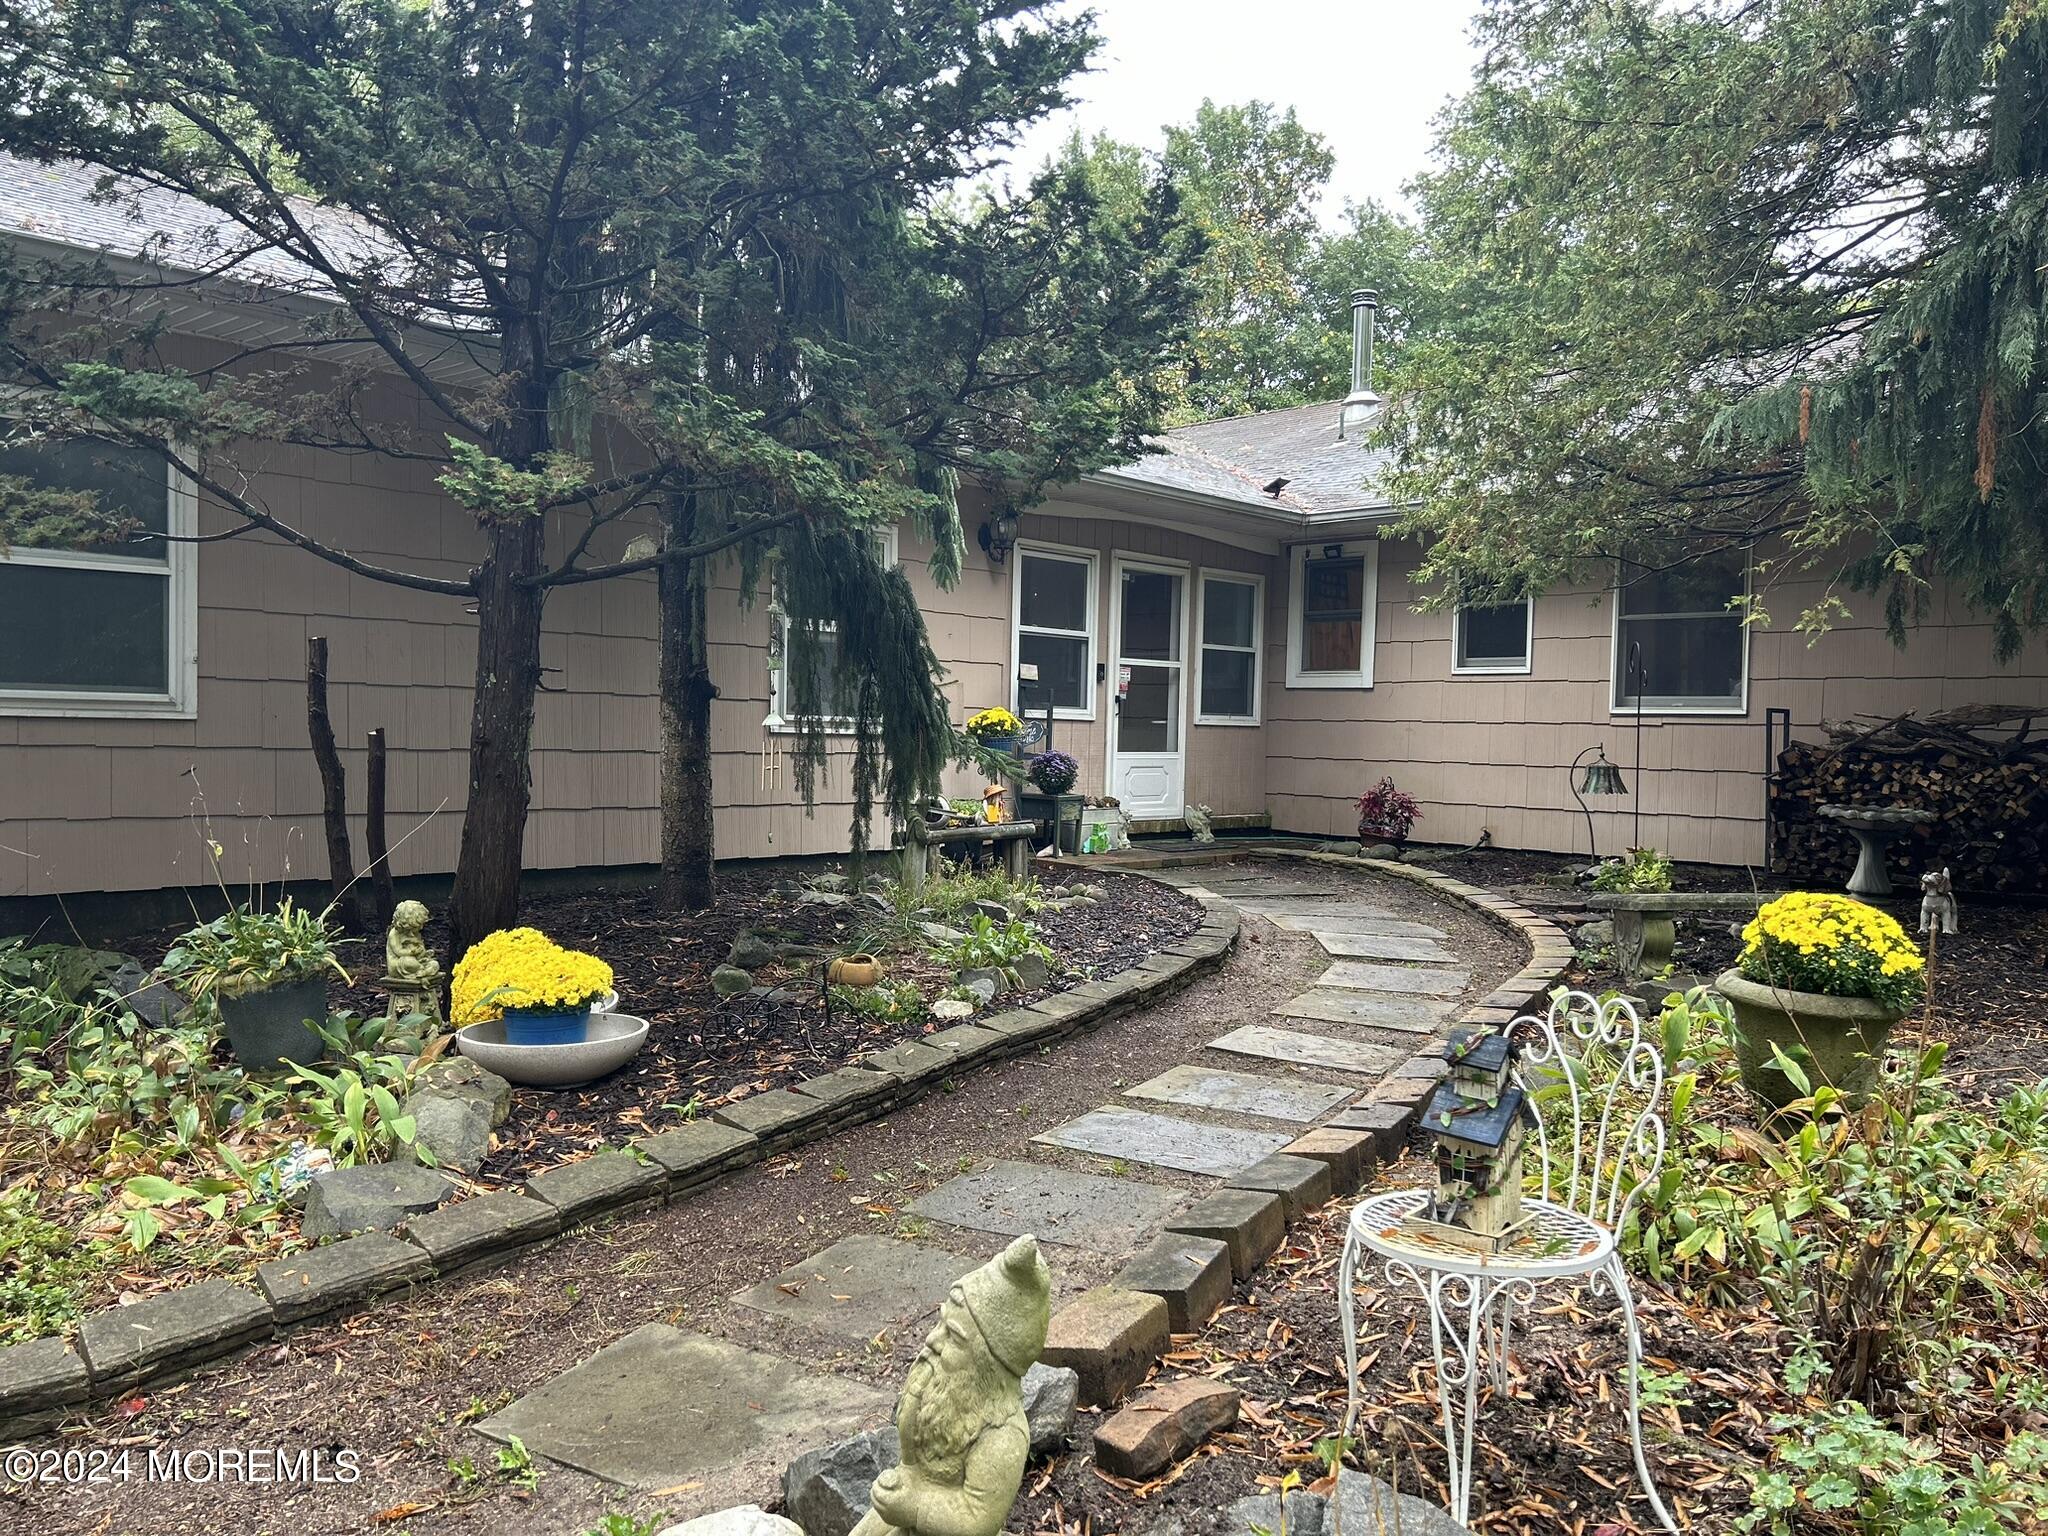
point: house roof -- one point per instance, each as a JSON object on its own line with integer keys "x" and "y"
{"x": 1236, "y": 458}
{"x": 1474, "y": 1120}
{"x": 1226, "y": 464}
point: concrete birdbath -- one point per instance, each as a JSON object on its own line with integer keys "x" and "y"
{"x": 611, "y": 1040}
{"x": 1873, "y": 828}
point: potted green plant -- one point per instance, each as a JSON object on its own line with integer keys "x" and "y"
{"x": 1643, "y": 872}
{"x": 1819, "y": 984}
{"x": 265, "y": 973}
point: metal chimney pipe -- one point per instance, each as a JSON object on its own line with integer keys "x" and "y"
{"x": 1365, "y": 313}
{"x": 1361, "y": 402}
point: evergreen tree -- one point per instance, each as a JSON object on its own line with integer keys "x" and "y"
{"x": 1743, "y": 274}
{"x": 568, "y": 224}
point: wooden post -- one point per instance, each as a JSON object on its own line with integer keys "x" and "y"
{"x": 916, "y": 858}
{"x": 1017, "y": 857}
{"x": 374, "y": 843}
{"x": 341, "y": 869}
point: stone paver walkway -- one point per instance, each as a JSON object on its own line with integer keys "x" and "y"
{"x": 662, "y": 1407}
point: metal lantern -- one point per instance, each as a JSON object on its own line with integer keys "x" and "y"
{"x": 1601, "y": 778}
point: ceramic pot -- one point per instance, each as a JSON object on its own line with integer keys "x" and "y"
{"x": 269, "y": 1027}
{"x": 854, "y": 971}
{"x": 546, "y": 1028}
{"x": 998, "y": 743}
{"x": 1838, "y": 1040}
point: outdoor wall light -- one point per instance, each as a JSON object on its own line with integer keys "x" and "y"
{"x": 998, "y": 536}
{"x": 1601, "y": 778}
{"x": 1333, "y": 551}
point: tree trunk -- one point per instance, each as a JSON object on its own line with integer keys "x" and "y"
{"x": 508, "y": 615}
{"x": 341, "y": 868}
{"x": 486, "y": 896}
{"x": 688, "y": 879}
{"x": 375, "y": 843}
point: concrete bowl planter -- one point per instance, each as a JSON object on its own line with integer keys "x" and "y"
{"x": 610, "y": 1041}
{"x": 1838, "y": 1040}
{"x": 267, "y": 1027}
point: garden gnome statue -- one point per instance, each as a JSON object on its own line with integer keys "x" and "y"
{"x": 1937, "y": 902}
{"x": 412, "y": 976}
{"x": 961, "y": 1417}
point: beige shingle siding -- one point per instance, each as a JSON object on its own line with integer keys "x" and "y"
{"x": 1491, "y": 752}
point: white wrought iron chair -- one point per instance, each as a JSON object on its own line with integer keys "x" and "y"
{"x": 1585, "y": 1057}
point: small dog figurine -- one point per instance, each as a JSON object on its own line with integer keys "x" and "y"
{"x": 1937, "y": 902}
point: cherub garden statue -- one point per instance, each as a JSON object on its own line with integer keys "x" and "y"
{"x": 1937, "y": 902}
{"x": 412, "y": 976}
{"x": 961, "y": 1418}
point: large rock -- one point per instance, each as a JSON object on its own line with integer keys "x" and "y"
{"x": 373, "y": 1198}
{"x": 1050, "y": 1395}
{"x": 832, "y": 883}
{"x": 740, "y": 1520}
{"x": 1381, "y": 851}
{"x": 750, "y": 951}
{"x": 156, "y": 1004}
{"x": 1163, "y": 1425}
{"x": 1031, "y": 971}
{"x": 994, "y": 911}
{"x": 730, "y": 981}
{"x": 450, "y": 1130}
{"x": 463, "y": 1078}
{"x": 826, "y": 1491}
{"x": 1365, "y": 1503}
{"x": 973, "y": 976}
{"x": 1305, "y": 1516}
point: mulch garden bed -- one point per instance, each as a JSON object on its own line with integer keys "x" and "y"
{"x": 704, "y": 1050}
{"x": 1991, "y": 978}
{"x": 1552, "y": 1457}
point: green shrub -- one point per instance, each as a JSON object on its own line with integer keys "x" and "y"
{"x": 989, "y": 946}
{"x": 892, "y": 1002}
{"x": 1838, "y": 1468}
{"x": 1640, "y": 870}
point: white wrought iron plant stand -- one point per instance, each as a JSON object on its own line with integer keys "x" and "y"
{"x": 1617, "y": 1148}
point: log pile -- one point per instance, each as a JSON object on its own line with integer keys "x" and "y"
{"x": 1979, "y": 769}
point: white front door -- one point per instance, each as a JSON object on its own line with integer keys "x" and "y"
{"x": 1148, "y": 733}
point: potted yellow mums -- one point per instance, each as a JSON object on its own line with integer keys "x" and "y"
{"x": 543, "y": 992}
{"x": 1820, "y": 982}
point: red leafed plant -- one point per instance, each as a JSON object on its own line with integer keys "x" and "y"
{"x": 1386, "y": 814}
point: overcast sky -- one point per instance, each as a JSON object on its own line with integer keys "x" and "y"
{"x": 1368, "y": 75}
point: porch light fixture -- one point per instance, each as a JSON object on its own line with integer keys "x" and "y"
{"x": 1333, "y": 551}
{"x": 1601, "y": 778}
{"x": 998, "y": 536}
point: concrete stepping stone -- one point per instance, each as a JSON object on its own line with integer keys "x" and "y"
{"x": 662, "y": 1407}
{"x": 1083, "y": 1210}
{"x": 1272, "y": 890}
{"x": 1250, "y": 1222}
{"x": 1271, "y": 1044}
{"x": 1164, "y": 1141}
{"x": 1381, "y": 946}
{"x": 1370, "y": 1010}
{"x": 1190, "y": 1274}
{"x": 862, "y": 1285}
{"x": 1238, "y": 1093}
{"x": 1421, "y": 981}
{"x": 1352, "y": 920}
{"x": 1311, "y": 906}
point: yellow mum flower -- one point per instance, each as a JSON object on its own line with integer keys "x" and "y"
{"x": 522, "y": 968}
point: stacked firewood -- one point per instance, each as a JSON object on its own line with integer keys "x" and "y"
{"x": 1979, "y": 769}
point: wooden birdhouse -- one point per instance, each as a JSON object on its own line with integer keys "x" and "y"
{"x": 1479, "y": 1121}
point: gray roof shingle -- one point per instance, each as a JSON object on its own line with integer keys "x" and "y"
{"x": 1237, "y": 457}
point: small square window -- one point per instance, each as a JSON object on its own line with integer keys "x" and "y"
{"x": 1679, "y": 644}
{"x": 1493, "y": 638}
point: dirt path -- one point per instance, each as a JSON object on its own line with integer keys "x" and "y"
{"x": 397, "y": 1387}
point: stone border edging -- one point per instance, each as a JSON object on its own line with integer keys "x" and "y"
{"x": 166, "y": 1336}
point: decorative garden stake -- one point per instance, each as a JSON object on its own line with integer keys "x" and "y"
{"x": 961, "y": 1418}
{"x": 1478, "y": 1120}
{"x": 412, "y": 976}
{"x": 1937, "y": 902}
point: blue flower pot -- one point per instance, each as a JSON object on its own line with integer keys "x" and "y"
{"x": 553, "y": 1028}
{"x": 1000, "y": 743}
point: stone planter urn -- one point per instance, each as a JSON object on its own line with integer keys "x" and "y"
{"x": 1838, "y": 1040}
{"x": 267, "y": 1027}
{"x": 854, "y": 971}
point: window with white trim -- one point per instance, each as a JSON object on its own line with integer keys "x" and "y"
{"x": 98, "y": 627}
{"x": 1228, "y": 685}
{"x": 1492, "y": 637}
{"x": 1678, "y": 644}
{"x": 1055, "y": 631}
{"x": 781, "y": 706}
{"x": 1332, "y": 590}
